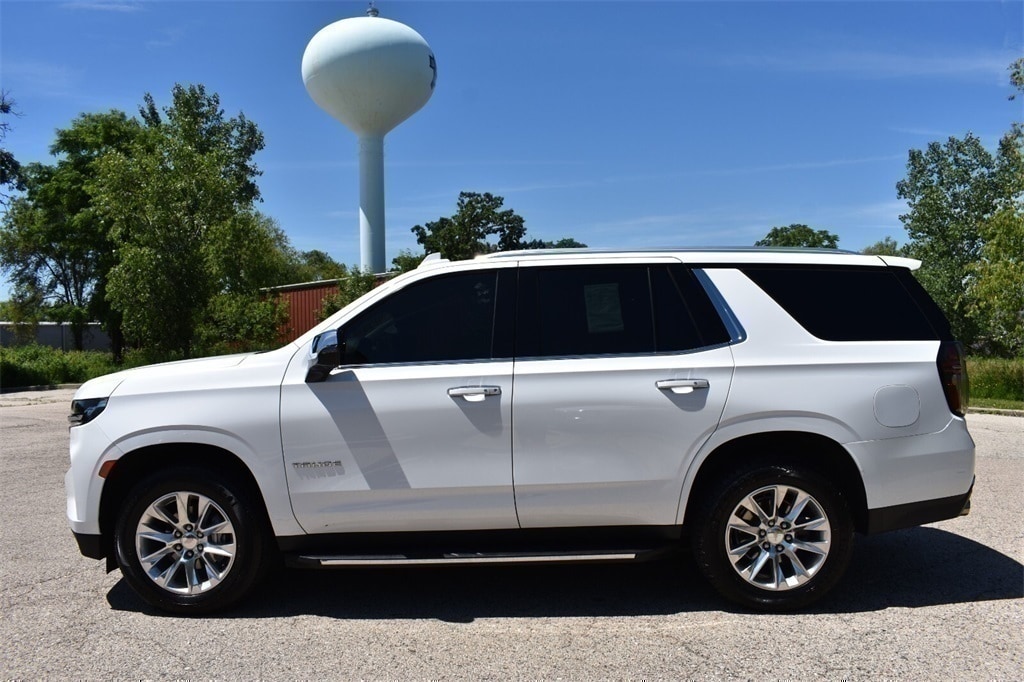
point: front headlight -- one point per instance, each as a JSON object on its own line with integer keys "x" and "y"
{"x": 84, "y": 411}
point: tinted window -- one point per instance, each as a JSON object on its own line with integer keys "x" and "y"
{"x": 847, "y": 304}
{"x": 445, "y": 318}
{"x": 605, "y": 310}
{"x": 684, "y": 317}
{"x": 585, "y": 311}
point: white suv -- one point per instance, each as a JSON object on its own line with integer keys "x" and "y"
{"x": 760, "y": 406}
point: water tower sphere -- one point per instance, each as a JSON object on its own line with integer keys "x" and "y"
{"x": 371, "y": 74}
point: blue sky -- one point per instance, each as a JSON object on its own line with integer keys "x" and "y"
{"x": 617, "y": 123}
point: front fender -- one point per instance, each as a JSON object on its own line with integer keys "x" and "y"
{"x": 264, "y": 463}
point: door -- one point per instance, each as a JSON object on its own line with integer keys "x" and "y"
{"x": 413, "y": 431}
{"x": 622, "y": 372}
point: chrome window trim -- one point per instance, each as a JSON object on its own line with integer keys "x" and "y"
{"x": 732, "y": 324}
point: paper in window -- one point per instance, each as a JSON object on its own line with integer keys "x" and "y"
{"x": 604, "y": 309}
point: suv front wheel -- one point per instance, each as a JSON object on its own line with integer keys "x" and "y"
{"x": 774, "y": 538}
{"x": 187, "y": 544}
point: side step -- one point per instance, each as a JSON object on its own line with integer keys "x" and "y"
{"x": 456, "y": 558}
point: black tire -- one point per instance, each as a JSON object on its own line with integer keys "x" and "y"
{"x": 183, "y": 569}
{"x": 791, "y": 573}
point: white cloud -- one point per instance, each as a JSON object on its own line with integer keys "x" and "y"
{"x": 802, "y": 165}
{"x": 343, "y": 215}
{"x": 542, "y": 186}
{"x": 311, "y": 165}
{"x": 169, "y": 38}
{"x": 39, "y": 78}
{"x": 103, "y": 5}
{"x": 867, "y": 64}
{"x": 923, "y": 132}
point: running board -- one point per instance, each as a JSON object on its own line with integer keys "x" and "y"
{"x": 454, "y": 558}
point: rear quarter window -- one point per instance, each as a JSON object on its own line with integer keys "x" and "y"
{"x": 853, "y": 304}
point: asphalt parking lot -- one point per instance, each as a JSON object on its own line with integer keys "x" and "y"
{"x": 944, "y": 601}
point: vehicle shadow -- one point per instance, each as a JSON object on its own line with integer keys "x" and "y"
{"x": 910, "y": 568}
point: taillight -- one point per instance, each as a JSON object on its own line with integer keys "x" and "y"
{"x": 953, "y": 375}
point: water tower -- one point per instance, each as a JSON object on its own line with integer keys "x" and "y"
{"x": 371, "y": 74}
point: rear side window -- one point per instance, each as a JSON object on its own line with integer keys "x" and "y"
{"x": 851, "y": 304}
{"x": 585, "y": 311}
{"x": 613, "y": 310}
{"x": 684, "y": 316}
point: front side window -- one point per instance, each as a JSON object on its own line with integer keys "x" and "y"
{"x": 445, "y": 318}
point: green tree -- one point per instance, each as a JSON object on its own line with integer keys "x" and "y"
{"x": 25, "y": 315}
{"x": 196, "y": 120}
{"x": 887, "y": 246}
{"x": 353, "y": 284}
{"x": 996, "y": 300}
{"x": 465, "y": 234}
{"x": 78, "y": 147}
{"x": 10, "y": 169}
{"x": 965, "y": 206}
{"x": 799, "y": 235}
{"x": 187, "y": 180}
{"x": 45, "y": 270}
{"x": 244, "y": 254}
{"x": 406, "y": 260}
{"x": 247, "y": 252}
{"x": 240, "y": 322}
{"x": 996, "y": 281}
{"x": 53, "y": 243}
{"x": 147, "y": 225}
{"x": 1017, "y": 77}
{"x": 564, "y": 243}
{"x": 951, "y": 189}
{"x": 313, "y": 266}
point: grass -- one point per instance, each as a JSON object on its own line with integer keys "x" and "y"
{"x": 36, "y": 365}
{"x": 997, "y": 404}
{"x": 996, "y": 379}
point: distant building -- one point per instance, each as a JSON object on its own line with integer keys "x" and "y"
{"x": 303, "y": 302}
{"x": 54, "y": 335}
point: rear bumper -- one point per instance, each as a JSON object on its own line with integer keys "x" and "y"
{"x": 918, "y": 513}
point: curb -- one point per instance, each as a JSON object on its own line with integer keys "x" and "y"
{"x": 995, "y": 410}
{"x": 45, "y": 387}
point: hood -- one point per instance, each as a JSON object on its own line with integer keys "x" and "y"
{"x": 181, "y": 374}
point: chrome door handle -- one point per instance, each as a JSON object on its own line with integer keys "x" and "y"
{"x": 474, "y": 394}
{"x": 683, "y": 385}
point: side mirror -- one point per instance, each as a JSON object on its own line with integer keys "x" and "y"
{"x": 324, "y": 355}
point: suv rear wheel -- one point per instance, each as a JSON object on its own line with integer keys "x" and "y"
{"x": 774, "y": 538}
{"x": 188, "y": 544}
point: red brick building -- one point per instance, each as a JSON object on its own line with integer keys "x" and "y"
{"x": 303, "y": 302}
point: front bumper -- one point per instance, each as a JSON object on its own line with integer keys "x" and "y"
{"x": 90, "y": 545}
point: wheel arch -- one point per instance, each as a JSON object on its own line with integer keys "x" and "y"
{"x": 134, "y": 466}
{"x": 810, "y": 450}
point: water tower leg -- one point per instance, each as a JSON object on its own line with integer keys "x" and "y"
{"x": 371, "y": 204}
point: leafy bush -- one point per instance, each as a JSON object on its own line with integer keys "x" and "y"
{"x": 36, "y": 365}
{"x": 238, "y": 323}
{"x": 996, "y": 378}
